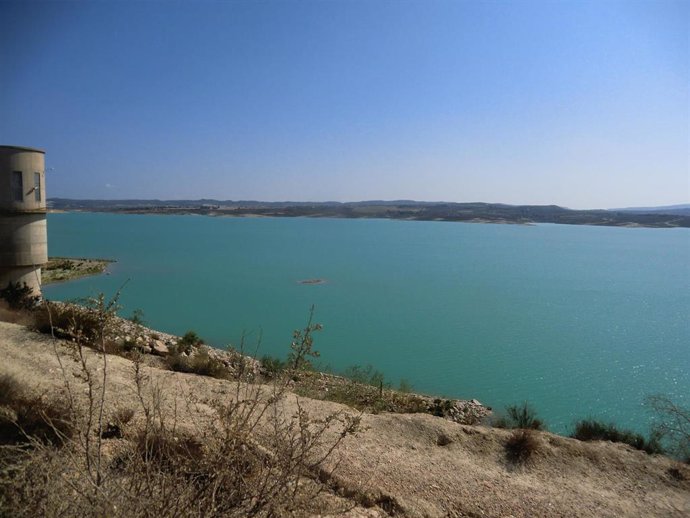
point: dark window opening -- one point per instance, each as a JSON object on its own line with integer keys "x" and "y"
{"x": 17, "y": 186}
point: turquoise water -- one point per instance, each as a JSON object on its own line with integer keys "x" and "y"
{"x": 580, "y": 321}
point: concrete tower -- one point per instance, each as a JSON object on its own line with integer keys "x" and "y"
{"x": 23, "y": 231}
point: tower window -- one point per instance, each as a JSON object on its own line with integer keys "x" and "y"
{"x": 37, "y": 186}
{"x": 17, "y": 186}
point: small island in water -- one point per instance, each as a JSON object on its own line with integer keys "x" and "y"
{"x": 61, "y": 269}
{"x": 312, "y": 281}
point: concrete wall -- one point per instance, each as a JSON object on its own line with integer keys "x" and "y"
{"x": 23, "y": 231}
{"x": 28, "y": 275}
{"x": 27, "y": 161}
{"x": 24, "y": 239}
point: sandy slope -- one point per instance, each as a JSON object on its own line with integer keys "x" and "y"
{"x": 397, "y": 461}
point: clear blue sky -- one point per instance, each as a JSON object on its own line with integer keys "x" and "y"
{"x": 583, "y": 104}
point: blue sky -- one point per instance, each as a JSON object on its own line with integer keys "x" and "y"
{"x": 582, "y": 104}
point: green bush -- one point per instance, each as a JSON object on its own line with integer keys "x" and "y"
{"x": 593, "y": 430}
{"x": 366, "y": 375}
{"x": 523, "y": 416}
{"x": 272, "y": 365}
{"x": 189, "y": 341}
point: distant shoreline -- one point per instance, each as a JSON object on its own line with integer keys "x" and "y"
{"x": 406, "y": 211}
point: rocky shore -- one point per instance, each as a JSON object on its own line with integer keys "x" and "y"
{"x": 159, "y": 349}
{"x": 412, "y": 465}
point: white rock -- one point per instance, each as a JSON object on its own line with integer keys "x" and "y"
{"x": 159, "y": 348}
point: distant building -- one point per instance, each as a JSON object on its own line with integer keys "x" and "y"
{"x": 23, "y": 231}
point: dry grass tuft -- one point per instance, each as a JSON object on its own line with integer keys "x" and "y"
{"x": 123, "y": 416}
{"x": 26, "y": 418}
{"x": 200, "y": 363}
{"x": 679, "y": 473}
{"x": 592, "y": 430}
{"x": 443, "y": 440}
{"x": 521, "y": 446}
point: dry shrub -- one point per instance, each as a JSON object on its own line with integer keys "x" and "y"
{"x": 593, "y": 430}
{"x": 443, "y": 439}
{"x": 87, "y": 324}
{"x": 679, "y": 473}
{"x": 123, "y": 416}
{"x": 524, "y": 416}
{"x": 166, "y": 450}
{"x": 521, "y": 446}
{"x": 360, "y": 396}
{"x": 248, "y": 457}
{"x": 253, "y": 461}
{"x": 10, "y": 389}
{"x": 200, "y": 362}
{"x": 18, "y": 296}
{"x": 672, "y": 426}
{"x": 26, "y": 418}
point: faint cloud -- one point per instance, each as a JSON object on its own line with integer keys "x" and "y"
{"x": 109, "y": 186}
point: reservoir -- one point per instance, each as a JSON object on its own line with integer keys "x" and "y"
{"x": 578, "y": 320}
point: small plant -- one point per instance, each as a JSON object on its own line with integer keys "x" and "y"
{"x": 441, "y": 407}
{"x": 188, "y": 342}
{"x": 87, "y": 324}
{"x": 204, "y": 364}
{"x": 10, "y": 389}
{"x": 500, "y": 421}
{"x": 167, "y": 451}
{"x": 523, "y": 416}
{"x": 302, "y": 345}
{"x": 361, "y": 396}
{"x": 673, "y": 425}
{"x": 593, "y": 430}
{"x": 405, "y": 386}
{"x": 678, "y": 473}
{"x": 521, "y": 446}
{"x": 123, "y": 416}
{"x": 365, "y": 375}
{"x": 272, "y": 365}
{"x": 443, "y": 439}
{"x": 31, "y": 418}
{"x": 201, "y": 363}
{"x": 137, "y": 317}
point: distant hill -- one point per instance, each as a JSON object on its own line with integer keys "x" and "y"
{"x": 682, "y": 209}
{"x": 476, "y": 212}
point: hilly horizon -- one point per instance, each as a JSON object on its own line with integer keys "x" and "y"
{"x": 674, "y": 207}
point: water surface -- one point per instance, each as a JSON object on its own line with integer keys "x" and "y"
{"x": 578, "y": 320}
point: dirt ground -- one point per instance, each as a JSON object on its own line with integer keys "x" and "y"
{"x": 413, "y": 464}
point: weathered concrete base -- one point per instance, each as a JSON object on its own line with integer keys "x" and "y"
{"x": 29, "y": 275}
